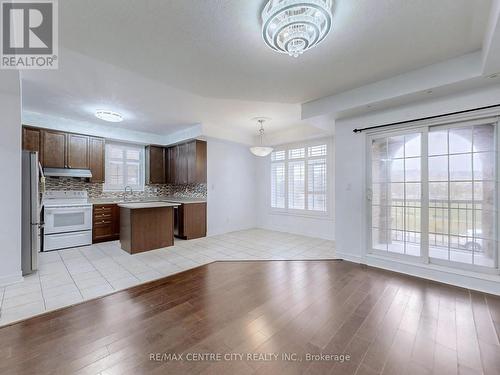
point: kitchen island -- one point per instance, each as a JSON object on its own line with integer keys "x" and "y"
{"x": 146, "y": 226}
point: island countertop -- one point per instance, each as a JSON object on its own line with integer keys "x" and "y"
{"x": 139, "y": 205}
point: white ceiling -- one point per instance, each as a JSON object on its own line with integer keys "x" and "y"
{"x": 214, "y": 48}
{"x": 168, "y": 65}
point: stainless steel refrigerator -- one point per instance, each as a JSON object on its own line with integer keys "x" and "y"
{"x": 30, "y": 232}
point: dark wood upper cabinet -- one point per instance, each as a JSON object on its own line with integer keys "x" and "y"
{"x": 77, "y": 151}
{"x": 31, "y": 139}
{"x": 197, "y": 162}
{"x": 96, "y": 159}
{"x": 53, "y": 149}
{"x": 187, "y": 163}
{"x": 155, "y": 165}
{"x": 181, "y": 164}
{"x": 170, "y": 164}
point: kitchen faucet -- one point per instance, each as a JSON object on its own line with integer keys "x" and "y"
{"x": 127, "y": 189}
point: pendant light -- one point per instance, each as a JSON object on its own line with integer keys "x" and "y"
{"x": 261, "y": 150}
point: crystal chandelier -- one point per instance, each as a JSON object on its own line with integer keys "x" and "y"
{"x": 295, "y": 26}
{"x": 261, "y": 150}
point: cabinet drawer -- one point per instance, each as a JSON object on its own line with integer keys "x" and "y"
{"x": 102, "y": 209}
{"x": 102, "y": 231}
{"x": 102, "y": 222}
{"x": 102, "y": 216}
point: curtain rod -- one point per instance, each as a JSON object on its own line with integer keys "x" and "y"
{"x": 425, "y": 118}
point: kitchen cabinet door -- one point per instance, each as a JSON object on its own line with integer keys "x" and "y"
{"x": 96, "y": 159}
{"x": 78, "y": 151}
{"x": 53, "y": 149}
{"x": 170, "y": 164}
{"x": 181, "y": 164}
{"x": 155, "y": 165}
{"x": 197, "y": 162}
{"x": 31, "y": 139}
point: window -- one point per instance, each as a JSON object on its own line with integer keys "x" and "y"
{"x": 434, "y": 194}
{"x": 299, "y": 178}
{"x": 124, "y": 167}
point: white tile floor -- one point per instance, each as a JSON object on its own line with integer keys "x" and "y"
{"x": 66, "y": 277}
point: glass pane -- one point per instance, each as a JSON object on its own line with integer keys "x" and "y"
{"x": 114, "y": 173}
{"x": 396, "y": 170}
{"x": 460, "y": 140}
{"x": 438, "y": 220}
{"x": 412, "y": 219}
{"x": 484, "y": 252}
{"x": 379, "y": 239}
{"x": 297, "y": 153}
{"x": 278, "y": 155}
{"x": 438, "y": 142}
{"x": 461, "y": 167}
{"x": 484, "y": 138}
{"x": 319, "y": 150}
{"x": 484, "y": 224}
{"x": 438, "y": 168}
{"x": 461, "y": 191}
{"x": 396, "y": 219}
{"x": 438, "y": 193}
{"x": 397, "y": 193}
{"x": 379, "y": 149}
{"x": 412, "y": 169}
{"x": 484, "y": 166}
{"x": 296, "y": 185}
{"x": 413, "y": 194}
{"x": 278, "y": 185}
{"x": 133, "y": 154}
{"x": 484, "y": 196}
{"x": 397, "y": 244}
{"x": 412, "y": 145}
{"x": 379, "y": 171}
{"x": 69, "y": 219}
{"x": 396, "y": 147}
{"x": 379, "y": 217}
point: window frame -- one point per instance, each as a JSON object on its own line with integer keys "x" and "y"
{"x": 107, "y": 159}
{"x": 306, "y": 212}
{"x": 424, "y": 128}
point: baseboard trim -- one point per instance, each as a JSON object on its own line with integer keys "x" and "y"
{"x": 486, "y": 283}
{"x": 11, "y": 279}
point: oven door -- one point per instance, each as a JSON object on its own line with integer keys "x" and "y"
{"x": 67, "y": 219}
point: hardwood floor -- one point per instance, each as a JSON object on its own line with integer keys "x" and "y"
{"x": 387, "y": 323}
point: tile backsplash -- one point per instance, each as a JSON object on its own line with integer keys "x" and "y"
{"x": 95, "y": 190}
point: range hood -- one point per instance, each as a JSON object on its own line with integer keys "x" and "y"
{"x": 67, "y": 172}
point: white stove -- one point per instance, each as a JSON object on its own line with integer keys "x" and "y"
{"x": 67, "y": 219}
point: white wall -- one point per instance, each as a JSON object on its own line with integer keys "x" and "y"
{"x": 322, "y": 227}
{"x": 10, "y": 191}
{"x": 231, "y": 196}
{"x": 350, "y": 199}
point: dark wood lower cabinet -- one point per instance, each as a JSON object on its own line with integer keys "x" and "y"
{"x": 106, "y": 223}
{"x": 191, "y": 221}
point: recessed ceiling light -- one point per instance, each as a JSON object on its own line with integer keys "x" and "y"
{"x": 494, "y": 75}
{"x": 109, "y": 116}
{"x": 428, "y": 92}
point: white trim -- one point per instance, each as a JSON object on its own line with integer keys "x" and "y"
{"x": 11, "y": 279}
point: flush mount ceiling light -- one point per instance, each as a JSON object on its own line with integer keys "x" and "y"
{"x": 261, "y": 150}
{"x": 109, "y": 116}
{"x": 295, "y": 26}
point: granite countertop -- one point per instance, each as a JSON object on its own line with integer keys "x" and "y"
{"x": 139, "y": 205}
{"x": 148, "y": 199}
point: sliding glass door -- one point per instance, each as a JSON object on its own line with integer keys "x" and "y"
{"x": 396, "y": 187}
{"x": 433, "y": 194}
